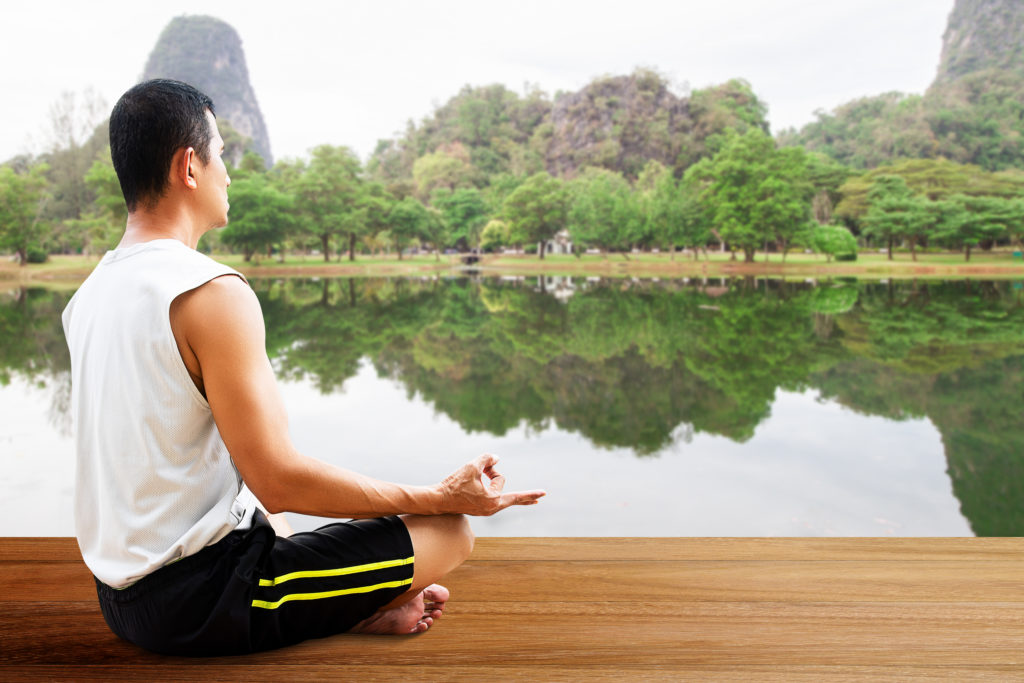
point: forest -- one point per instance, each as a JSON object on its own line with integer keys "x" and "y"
{"x": 623, "y": 165}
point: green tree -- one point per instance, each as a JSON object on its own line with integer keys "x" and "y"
{"x": 894, "y": 212}
{"x": 784, "y": 209}
{"x": 408, "y": 220}
{"x": 375, "y": 203}
{"x": 968, "y": 221}
{"x": 328, "y": 193}
{"x": 435, "y": 232}
{"x": 250, "y": 164}
{"x": 23, "y": 197}
{"x": 447, "y": 167}
{"x": 536, "y": 210}
{"x": 74, "y": 142}
{"x": 465, "y": 211}
{"x": 106, "y": 219}
{"x": 1015, "y": 222}
{"x": 261, "y": 216}
{"x": 826, "y": 176}
{"x": 930, "y": 178}
{"x": 672, "y": 212}
{"x": 832, "y": 240}
{"x": 602, "y": 211}
{"x": 495, "y": 234}
{"x": 754, "y": 192}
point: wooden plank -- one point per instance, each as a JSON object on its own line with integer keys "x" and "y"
{"x": 718, "y": 549}
{"x": 772, "y": 581}
{"x": 630, "y": 549}
{"x": 604, "y": 609}
{"x": 594, "y": 635}
{"x": 996, "y": 581}
{"x": 782, "y": 673}
{"x": 46, "y": 549}
{"x": 440, "y": 671}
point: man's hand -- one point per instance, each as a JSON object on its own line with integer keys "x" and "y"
{"x": 464, "y": 490}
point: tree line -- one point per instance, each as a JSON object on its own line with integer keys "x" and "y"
{"x": 474, "y": 177}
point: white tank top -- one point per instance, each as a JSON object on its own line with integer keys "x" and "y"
{"x": 154, "y": 481}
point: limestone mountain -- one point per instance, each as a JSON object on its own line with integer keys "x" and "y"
{"x": 621, "y": 122}
{"x": 973, "y": 113}
{"x": 615, "y": 122}
{"x": 982, "y": 34}
{"x": 207, "y": 53}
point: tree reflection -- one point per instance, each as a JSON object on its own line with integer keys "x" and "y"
{"x": 32, "y": 347}
{"x": 640, "y": 364}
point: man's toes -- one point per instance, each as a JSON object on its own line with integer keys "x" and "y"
{"x": 436, "y": 593}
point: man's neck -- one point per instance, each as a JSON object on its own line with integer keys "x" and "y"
{"x": 146, "y": 225}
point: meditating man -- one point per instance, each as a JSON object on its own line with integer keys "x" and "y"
{"x": 181, "y": 436}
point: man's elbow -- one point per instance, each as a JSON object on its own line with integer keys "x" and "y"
{"x": 274, "y": 489}
{"x": 273, "y": 506}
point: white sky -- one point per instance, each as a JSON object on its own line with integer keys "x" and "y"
{"x": 350, "y": 73}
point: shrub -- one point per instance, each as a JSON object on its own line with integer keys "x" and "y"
{"x": 36, "y": 255}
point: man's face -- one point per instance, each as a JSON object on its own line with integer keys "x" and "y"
{"x": 213, "y": 179}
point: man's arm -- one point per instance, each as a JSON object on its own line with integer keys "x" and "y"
{"x": 220, "y": 333}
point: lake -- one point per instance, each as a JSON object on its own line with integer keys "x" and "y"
{"x": 742, "y": 407}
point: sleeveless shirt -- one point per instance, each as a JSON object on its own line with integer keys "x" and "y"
{"x": 154, "y": 481}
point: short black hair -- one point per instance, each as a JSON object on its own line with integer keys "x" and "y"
{"x": 151, "y": 122}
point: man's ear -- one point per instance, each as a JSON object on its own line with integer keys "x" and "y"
{"x": 187, "y": 159}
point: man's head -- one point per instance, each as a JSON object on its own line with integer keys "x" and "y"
{"x": 148, "y": 126}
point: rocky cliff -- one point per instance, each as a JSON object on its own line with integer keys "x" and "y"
{"x": 615, "y": 122}
{"x": 982, "y": 34}
{"x": 621, "y": 122}
{"x": 971, "y": 114}
{"x": 207, "y": 53}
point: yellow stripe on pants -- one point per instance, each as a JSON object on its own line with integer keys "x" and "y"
{"x": 316, "y": 573}
{"x": 329, "y": 594}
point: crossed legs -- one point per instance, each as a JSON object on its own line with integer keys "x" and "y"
{"x": 440, "y": 543}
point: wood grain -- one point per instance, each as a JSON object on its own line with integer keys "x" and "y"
{"x": 590, "y": 581}
{"x": 602, "y": 609}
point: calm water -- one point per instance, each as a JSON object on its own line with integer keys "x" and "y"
{"x": 699, "y": 408}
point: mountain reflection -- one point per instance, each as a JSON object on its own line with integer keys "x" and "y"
{"x": 637, "y": 364}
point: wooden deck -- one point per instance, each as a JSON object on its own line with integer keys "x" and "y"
{"x": 574, "y": 609}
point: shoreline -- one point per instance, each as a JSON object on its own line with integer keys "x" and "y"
{"x": 71, "y": 270}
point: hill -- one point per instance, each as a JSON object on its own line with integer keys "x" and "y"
{"x": 973, "y": 112}
{"x": 615, "y": 122}
{"x": 982, "y": 35}
{"x": 207, "y": 53}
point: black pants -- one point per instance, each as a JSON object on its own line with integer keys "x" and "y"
{"x": 253, "y": 590}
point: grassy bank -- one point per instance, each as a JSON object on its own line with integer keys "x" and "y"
{"x": 991, "y": 265}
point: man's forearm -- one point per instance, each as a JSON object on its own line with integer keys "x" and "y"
{"x": 312, "y": 487}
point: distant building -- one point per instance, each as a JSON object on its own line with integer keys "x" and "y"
{"x": 561, "y": 243}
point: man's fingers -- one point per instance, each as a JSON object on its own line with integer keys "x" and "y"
{"x": 485, "y": 462}
{"x": 521, "y": 498}
{"x": 497, "y": 481}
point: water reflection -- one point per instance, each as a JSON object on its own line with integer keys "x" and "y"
{"x": 644, "y": 365}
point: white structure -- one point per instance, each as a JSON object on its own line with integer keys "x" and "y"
{"x": 561, "y": 243}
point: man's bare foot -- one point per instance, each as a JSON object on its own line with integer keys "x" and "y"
{"x": 415, "y": 616}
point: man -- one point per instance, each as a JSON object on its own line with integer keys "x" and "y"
{"x": 180, "y": 430}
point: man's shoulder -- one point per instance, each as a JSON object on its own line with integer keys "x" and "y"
{"x": 223, "y": 292}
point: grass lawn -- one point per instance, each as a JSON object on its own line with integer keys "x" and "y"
{"x": 983, "y": 265}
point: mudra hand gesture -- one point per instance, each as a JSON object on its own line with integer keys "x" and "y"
{"x": 464, "y": 491}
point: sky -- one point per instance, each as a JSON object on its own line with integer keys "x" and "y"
{"x": 352, "y": 72}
